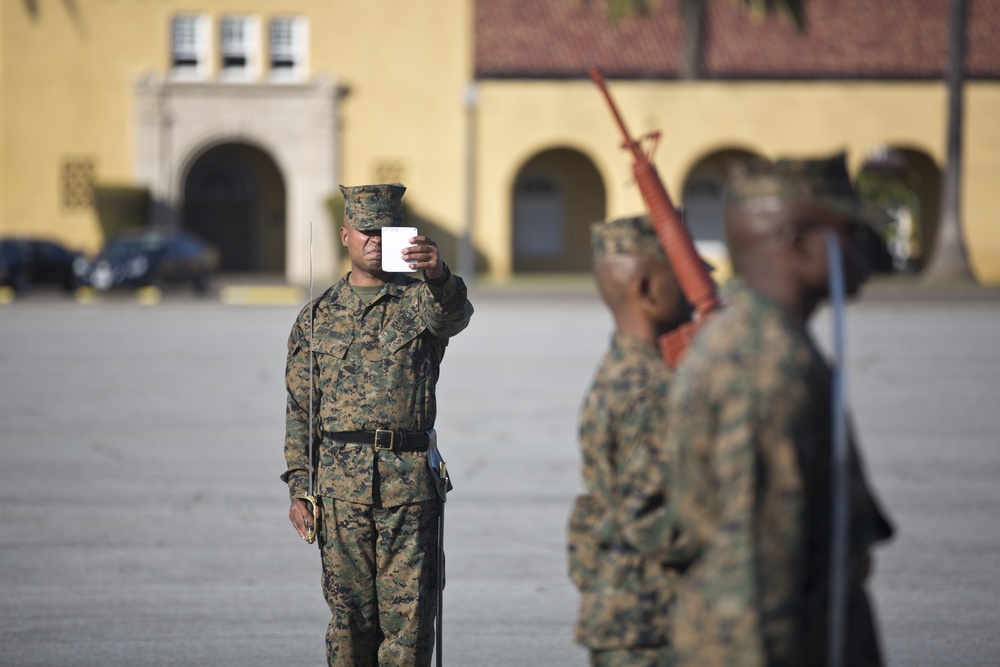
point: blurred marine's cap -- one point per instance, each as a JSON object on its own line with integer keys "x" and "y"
{"x": 371, "y": 207}
{"x": 821, "y": 181}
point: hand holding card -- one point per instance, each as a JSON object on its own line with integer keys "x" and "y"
{"x": 394, "y": 239}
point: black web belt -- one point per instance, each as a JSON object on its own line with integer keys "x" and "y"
{"x": 385, "y": 440}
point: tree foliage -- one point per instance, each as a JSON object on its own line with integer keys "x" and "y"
{"x": 791, "y": 10}
{"x": 121, "y": 206}
{"x": 692, "y": 17}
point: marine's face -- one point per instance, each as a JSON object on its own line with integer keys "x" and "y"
{"x": 670, "y": 308}
{"x": 814, "y": 223}
{"x": 364, "y": 249}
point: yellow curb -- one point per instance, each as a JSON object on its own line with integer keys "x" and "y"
{"x": 6, "y": 294}
{"x": 85, "y": 295}
{"x": 260, "y": 295}
{"x": 148, "y": 296}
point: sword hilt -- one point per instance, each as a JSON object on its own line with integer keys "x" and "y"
{"x": 310, "y": 501}
{"x": 443, "y": 480}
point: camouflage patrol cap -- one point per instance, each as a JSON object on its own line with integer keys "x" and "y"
{"x": 625, "y": 236}
{"x": 371, "y": 207}
{"x": 821, "y": 181}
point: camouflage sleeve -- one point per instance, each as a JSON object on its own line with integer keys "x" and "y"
{"x": 446, "y": 309}
{"x": 647, "y": 516}
{"x": 584, "y": 546}
{"x": 719, "y": 487}
{"x": 713, "y": 501}
{"x": 642, "y": 513}
{"x": 297, "y": 411}
{"x": 602, "y": 433}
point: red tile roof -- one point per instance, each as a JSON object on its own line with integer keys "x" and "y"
{"x": 852, "y": 39}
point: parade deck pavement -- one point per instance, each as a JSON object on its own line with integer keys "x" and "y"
{"x": 142, "y": 521}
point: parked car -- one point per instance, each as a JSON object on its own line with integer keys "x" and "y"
{"x": 30, "y": 261}
{"x": 153, "y": 257}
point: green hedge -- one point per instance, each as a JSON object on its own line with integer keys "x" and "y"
{"x": 121, "y": 207}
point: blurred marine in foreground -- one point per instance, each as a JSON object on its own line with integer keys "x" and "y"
{"x": 751, "y": 427}
{"x": 377, "y": 340}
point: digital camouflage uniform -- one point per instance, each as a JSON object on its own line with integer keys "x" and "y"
{"x": 751, "y": 429}
{"x": 624, "y": 596}
{"x": 375, "y": 366}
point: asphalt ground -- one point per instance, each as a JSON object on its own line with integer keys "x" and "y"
{"x": 142, "y": 521}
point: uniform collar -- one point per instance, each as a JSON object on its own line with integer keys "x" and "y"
{"x": 629, "y": 344}
{"x": 738, "y": 291}
{"x": 343, "y": 295}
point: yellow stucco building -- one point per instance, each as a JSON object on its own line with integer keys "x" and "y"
{"x": 242, "y": 117}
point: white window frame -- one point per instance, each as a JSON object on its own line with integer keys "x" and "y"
{"x": 247, "y": 47}
{"x": 296, "y": 51}
{"x": 190, "y": 61}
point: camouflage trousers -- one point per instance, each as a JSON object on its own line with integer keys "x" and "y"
{"x": 379, "y": 578}
{"x": 657, "y": 656}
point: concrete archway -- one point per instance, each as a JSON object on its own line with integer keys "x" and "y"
{"x": 281, "y": 133}
{"x": 234, "y": 198}
{"x": 557, "y": 194}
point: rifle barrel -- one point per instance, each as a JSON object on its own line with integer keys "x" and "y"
{"x": 598, "y": 78}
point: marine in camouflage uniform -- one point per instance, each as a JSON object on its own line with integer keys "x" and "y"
{"x": 624, "y": 596}
{"x": 378, "y": 340}
{"x": 751, "y": 429}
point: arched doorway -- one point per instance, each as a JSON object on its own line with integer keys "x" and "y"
{"x": 906, "y": 184}
{"x": 234, "y": 198}
{"x": 703, "y": 205}
{"x": 557, "y": 194}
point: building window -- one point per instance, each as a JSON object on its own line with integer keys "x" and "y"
{"x": 190, "y": 47}
{"x": 77, "y": 183}
{"x": 539, "y": 218}
{"x": 240, "y": 39}
{"x": 289, "y": 41}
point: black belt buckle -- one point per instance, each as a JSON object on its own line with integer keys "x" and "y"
{"x": 382, "y": 437}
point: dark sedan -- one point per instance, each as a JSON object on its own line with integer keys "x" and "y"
{"x": 28, "y": 261}
{"x": 153, "y": 257}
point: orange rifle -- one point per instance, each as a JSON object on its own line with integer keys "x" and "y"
{"x": 692, "y": 274}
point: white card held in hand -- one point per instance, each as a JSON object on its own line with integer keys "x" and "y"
{"x": 394, "y": 239}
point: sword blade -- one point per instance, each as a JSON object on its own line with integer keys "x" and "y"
{"x": 312, "y": 470}
{"x": 839, "y": 482}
